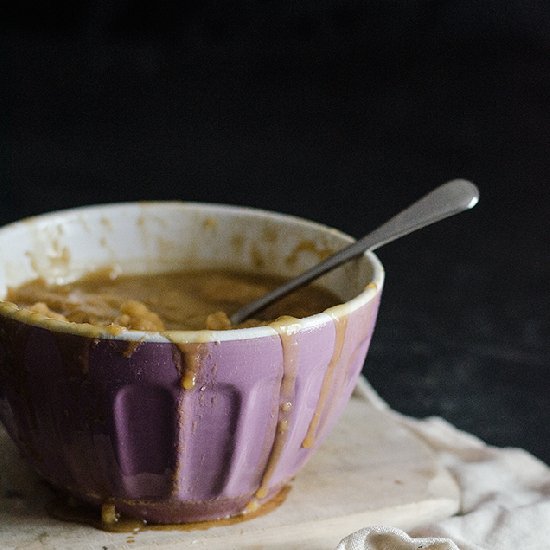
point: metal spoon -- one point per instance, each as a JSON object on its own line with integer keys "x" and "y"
{"x": 446, "y": 200}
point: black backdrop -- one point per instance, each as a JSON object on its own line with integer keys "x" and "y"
{"x": 340, "y": 111}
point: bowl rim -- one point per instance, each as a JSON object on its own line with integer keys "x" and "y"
{"x": 288, "y": 325}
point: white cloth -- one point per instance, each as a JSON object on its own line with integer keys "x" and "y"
{"x": 505, "y": 496}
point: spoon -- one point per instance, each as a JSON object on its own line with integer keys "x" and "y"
{"x": 444, "y": 201}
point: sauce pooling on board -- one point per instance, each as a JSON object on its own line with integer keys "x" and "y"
{"x": 183, "y": 300}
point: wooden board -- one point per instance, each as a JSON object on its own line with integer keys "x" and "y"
{"x": 372, "y": 470}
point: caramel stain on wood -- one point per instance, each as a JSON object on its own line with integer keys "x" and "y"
{"x": 110, "y": 520}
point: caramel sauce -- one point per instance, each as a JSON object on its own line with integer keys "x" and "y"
{"x": 184, "y": 300}
{"x": 326, "y": 386}
{"x": 131, "y": 347}
{"x": 290, "y": 363}
{"x": 191, "y": 362}
{"x": 108, "y": 519}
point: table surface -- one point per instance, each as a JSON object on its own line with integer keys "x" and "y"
{"x": 343, "y": 118}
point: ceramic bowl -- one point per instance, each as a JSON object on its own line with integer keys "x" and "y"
{"x": 177, "y": 426}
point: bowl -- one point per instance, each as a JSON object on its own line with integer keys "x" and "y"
{"x": 177, "y": 426}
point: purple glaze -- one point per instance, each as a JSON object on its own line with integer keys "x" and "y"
{"x": 103, "y": 421}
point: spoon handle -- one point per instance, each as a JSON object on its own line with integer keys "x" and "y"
{"x": 446, "y": 200}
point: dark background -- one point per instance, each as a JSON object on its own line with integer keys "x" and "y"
{"x": 343, "y": 112}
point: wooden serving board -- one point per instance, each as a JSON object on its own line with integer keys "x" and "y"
{"x": 372, "y": 470}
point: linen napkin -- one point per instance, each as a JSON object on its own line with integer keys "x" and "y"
{"x": 505, "y": 495}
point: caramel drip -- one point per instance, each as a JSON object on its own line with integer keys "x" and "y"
{"x": 110, "y": 520}
{"x": 326, "y": 387}
{"x": 339, "y": 383}
{"x": 191, "y": 362}
{"x": 108, "y": 515}
{"x": 290, "y": 364}
{"x": 131, "y": 347}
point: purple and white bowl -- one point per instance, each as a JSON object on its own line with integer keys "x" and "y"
{"x": 179, "y": 426}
